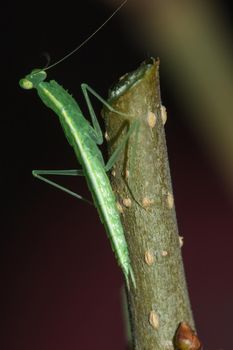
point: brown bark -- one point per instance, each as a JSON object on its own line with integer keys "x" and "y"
{"x": 142, "y": 184}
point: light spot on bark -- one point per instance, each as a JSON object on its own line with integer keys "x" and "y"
{"x": 170, "y": 200}
{"x": 126, "y": 173}
{"x": 164, "y": 253}
{"x": 163, "y": 114}
{"x": 151, "y": 119}
{"x": 154, "y": 319}
{"x": 113, "y": 173}
{"x": 149, "y": 258}
{"x": 127, "y": 202}
{"x": 181, "y": 240}
{"x": 146, "y": 202}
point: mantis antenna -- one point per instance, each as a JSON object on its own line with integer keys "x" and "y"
{"x": 87, "y": 39}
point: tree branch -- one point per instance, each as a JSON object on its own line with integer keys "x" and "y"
{"x": 142, "y": 184}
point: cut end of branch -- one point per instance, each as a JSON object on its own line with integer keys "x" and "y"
{"x": 129, "y": 79}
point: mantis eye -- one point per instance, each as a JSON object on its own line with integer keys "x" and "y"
{"x": 25, "y": 84}
{"x": 33, "y": 79}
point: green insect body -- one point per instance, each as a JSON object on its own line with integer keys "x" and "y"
{"x": 84, "y": 139}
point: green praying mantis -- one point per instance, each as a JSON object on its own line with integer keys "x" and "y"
{"x": 84, "y": 138}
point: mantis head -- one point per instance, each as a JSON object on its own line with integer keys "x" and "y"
{"x": 33, "y": 79}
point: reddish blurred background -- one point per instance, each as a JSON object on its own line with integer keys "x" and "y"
{"x": 60, "y": 283}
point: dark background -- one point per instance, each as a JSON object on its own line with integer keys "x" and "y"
{"x": 60, "y": 284}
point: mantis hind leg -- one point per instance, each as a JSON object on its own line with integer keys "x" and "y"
{"x": 39, "y": 174}
{"x": 134, "y": 126}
